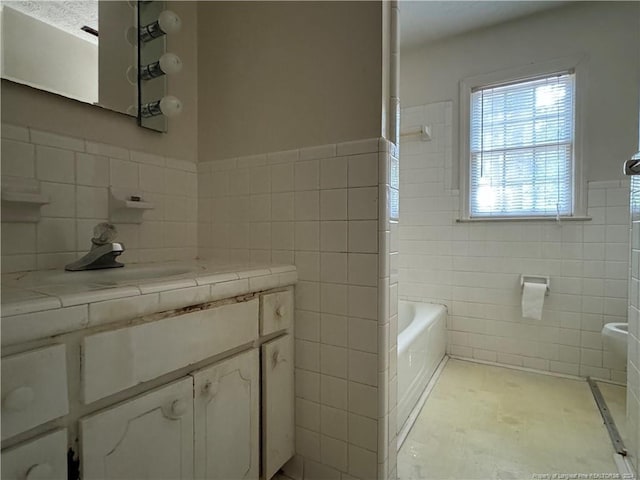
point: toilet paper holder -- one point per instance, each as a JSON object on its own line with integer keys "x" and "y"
{"x": 536, "y": 279}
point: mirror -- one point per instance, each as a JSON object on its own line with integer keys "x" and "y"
{"x": 89, "y": 51}
{"x": 77, "y": 49}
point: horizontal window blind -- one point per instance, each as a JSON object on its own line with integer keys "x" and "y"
{"x": 521, "y": 148}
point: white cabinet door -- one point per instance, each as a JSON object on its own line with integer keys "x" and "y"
{"x": 277, "y": 404}
{"x": 147, "y": 437}
{"x": 227, "y": 403}
{"x": 42, "y": 458}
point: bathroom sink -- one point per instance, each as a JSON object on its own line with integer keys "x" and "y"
{"x": 103, "y": 277}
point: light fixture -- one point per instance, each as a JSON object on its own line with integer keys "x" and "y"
{"x": 168, "y": 64}
{"x": 168, "y": 106}
{"x": 168, "y": 22}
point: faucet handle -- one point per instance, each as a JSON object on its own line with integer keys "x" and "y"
{"x": 104, "y": 233}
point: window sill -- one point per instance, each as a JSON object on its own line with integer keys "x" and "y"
{"x": 523, "y": 219}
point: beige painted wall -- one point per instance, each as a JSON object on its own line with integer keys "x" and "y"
{"x": 608, "y": 33}
{"x": 280, "y": 75}
{"x": 45, "y": 111}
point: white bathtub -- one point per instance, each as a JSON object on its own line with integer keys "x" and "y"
{"x": 422, "y": 340}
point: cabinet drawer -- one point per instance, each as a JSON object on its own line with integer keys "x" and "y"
{"x": 150, "y": 436}
{"x": 119, "y": 359}
{"x": 277, "y": 312}
{"x": 42, "y": 458}
{"x": 277, "y": 404}
{"x": 34, "y": 389}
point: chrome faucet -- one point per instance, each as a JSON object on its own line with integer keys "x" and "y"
{"x": 103, "y": 251}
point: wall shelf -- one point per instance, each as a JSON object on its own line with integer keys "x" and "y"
{"x": 22, "y": 199}
{"x": 126, "y": 206}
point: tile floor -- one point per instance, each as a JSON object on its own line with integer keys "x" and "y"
{"x": 486, "y": 422}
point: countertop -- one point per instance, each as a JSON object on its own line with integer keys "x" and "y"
{"x": 41, "y": 304}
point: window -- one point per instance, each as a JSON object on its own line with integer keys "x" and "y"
{"x": 520, "y": 147}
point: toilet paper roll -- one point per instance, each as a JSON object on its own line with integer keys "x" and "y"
{"x": 533, "y": 300}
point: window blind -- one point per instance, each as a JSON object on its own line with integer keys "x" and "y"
{"x": 521, "y": 148}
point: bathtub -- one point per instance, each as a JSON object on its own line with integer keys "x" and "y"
{"x": 422, "y": 340}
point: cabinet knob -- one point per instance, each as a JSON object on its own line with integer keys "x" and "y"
{"x": 179, "y": 408}
{"x": 281, "y": 311}
{"x": 18, "y": 399}
{"x": 275, "y": 358}
{"x": 39, "y": 471}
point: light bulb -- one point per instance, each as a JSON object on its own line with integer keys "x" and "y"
{"x": 169, "y": 22}
{"x": 170, "y": 63}
{"x": 170, "y": 106}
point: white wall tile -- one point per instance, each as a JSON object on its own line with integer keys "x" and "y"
{"x": 333, "y": 267}
{"x": 362, "y": 463}
{"x": 333, "y": 392}
{"x": 333, "y": 298}
{"x": 363, "y": 203}
{"x": 307, "y": 385}
{"x": 14, "y": 132}
{"x": 355, "y": 147}
{"x": 363, "y": 170}
{"x": 333, "y": 236}
{"x": 333, "y": 361}
{"x": 18, "y": 158}
{"x": 54, "y": 140}
{"x": 333, "y": 172}
{"x": 363, "y": 367}
{"x": 56, "y": 235}
{"x": 307, "y": 175}
{"x": 363, "y": 399}
{"x": 123, "y": 173}
{"x": 333, "y": 422}
{"x": 92, "y": 202}
{"x": 333, "y": 329}
{"x": 363, "y": 269}
{"x": 152, "y": 178}
{"x": 282, "y": 178}
{"x": 55, "y": 165}
{"x": 307, "y": 414}
{"x": 62, "y": 199}
{"x": 363, "y": 432}
{"x": 92, "y": 170}
{"x": 307, "y": 205}
{"x": 334, "y": 454}
{"x": 307, "y": 235}
{"x": 111, "y": 151}
{"x": 362, "y": 236}
{"x": 18, "y": 238}
{"x": 363, "y": 335}
{"x": 321, "y": 151}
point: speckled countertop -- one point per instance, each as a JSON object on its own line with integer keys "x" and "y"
{"x": 40, "y": 304}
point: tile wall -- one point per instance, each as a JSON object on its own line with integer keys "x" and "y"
{"x": 76, "y": 175}
{"x": 327, "y": 210}
{"x": 633, "y": 385}
{"x": 474, "y": 268}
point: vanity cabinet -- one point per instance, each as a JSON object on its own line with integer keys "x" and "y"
{"x": 277, "y": 404}
{"x": 34, "y": 389}
{"x": 203, "y": 391}
{"x": 227, "y": 416}
{"x": 44, "y": 457}
{"x": 150, "y": 437}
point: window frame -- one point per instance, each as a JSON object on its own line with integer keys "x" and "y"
{"x": 575, "y": 65}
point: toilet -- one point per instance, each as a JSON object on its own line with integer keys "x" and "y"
{"x": 614, "y": 336}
